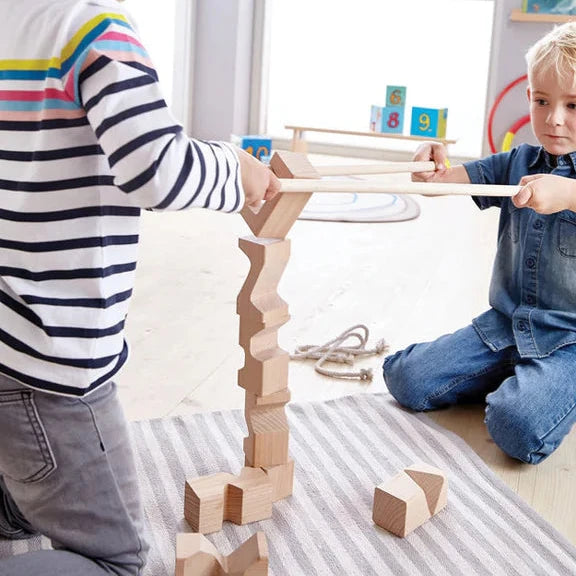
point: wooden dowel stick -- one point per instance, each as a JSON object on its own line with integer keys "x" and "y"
{"x": 423, "y": 188}
{"x": 380, "y": 168}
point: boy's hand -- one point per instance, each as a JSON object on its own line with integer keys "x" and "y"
{"x": 435, "y": 152}
{"x": 258, "y": 181}
{"x": 546, "y": 193}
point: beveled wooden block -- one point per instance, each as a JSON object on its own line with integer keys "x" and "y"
{"x": 282, "y": 479}
{"x": 433, "y": 482}
{"x": 250, "y": 559}
{"x": 249, "y": 497}
{"x": 266, "y": 374}
{"x": 400, "y": 505}
{"x": 204, "y": 502}
{"x": 196, "y": 556}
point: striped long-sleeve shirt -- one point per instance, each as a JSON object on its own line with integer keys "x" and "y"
{"x": 86, "y": 142}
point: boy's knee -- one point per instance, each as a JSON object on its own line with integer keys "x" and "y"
{"x": 514, "y": 433}
{"x": 403, "y": 380}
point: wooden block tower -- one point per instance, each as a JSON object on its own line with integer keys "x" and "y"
{"x": 269, "y": 471}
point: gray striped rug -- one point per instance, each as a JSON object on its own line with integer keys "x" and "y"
{"x": 343, "y": 448}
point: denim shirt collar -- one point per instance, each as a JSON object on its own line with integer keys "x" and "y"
{"x": 550, "y": 161}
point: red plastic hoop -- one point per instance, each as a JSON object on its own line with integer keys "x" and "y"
{"x": 496, "y": 104}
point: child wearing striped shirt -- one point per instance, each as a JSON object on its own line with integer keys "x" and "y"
{"x": 86, "y": 142}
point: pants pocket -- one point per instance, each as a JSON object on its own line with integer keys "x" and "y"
{"x": 25, "y": 453}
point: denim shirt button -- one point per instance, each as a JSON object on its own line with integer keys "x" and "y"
{"x": 530, "y": 262}
{"x": 521, "y": 326}
{"x": 538, "y": 224}
{"x": 530, "y": 299}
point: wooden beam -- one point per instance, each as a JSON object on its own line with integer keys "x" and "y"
{"x": 375, "y": 187}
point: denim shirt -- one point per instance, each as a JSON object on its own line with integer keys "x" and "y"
{"x": 533, "y": 287}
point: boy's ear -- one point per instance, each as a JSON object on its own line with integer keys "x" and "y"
{"x": 529, "y": 94}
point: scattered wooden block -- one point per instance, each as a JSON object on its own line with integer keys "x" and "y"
{"x": 433, "y": 482}
{"x": 197, "y": 556}
{"x": 409, "y": 499}
{"x": 400, "y": 505}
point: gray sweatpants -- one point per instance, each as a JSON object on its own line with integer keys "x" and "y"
{"x": 68, "y": 472}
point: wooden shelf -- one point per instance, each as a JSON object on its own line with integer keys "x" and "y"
{"x": 518, "y": 16}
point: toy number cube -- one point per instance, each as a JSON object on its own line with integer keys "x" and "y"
{"x": 387, "y": 119}
{"x": 429, "y": 122}
{"x": 396, "y": 96}
{"x": 258, "y": 146}
{"x": 392, "y": 120}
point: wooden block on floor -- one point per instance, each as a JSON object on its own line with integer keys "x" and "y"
{"x": 204, "y": 502}
{"x": 249, "y": 497}
{"x": 197, "y": 556}
{"x": 400, "y": 505}
{"x": 250, "y": 559}
{"x": 282, "y": 479}
{"x": 434, "y": 483}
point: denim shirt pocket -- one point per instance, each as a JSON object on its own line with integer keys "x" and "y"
{"x": 26, "y": 455}
{"x": 567, "y": 234}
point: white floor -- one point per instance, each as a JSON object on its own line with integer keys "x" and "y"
{"x": 406, "y": 281}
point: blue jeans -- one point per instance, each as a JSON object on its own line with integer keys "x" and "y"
{"x": 68, "y": 472}
{"x": 530, "y": 402}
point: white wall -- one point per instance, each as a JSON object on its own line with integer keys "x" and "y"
{"x": 510, "y": 42}
{"x": 222, "y": 66}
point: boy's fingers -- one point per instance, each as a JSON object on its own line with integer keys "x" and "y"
{"x": 523, "y": 197}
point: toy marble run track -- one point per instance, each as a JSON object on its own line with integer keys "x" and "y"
{"x": 267, "y": 475}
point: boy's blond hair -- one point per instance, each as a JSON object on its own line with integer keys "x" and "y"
{"x": 556, "y": 49}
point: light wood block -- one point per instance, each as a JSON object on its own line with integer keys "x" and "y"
{"x": 258, "y": 299}
{"x": 400, "y": 505}
{"x": 410, "y": 498}
{"x": 204, "y": 502}
{"x": 250, "y": 559}
{"x": 282, "y": 479}
{"x": 197, "y": 556}
{"x": 277, "y": 216}
{"x": 434, "y": 483}
{"x": 249, "y": 497}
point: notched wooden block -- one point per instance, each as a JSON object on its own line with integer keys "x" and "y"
{"x": 197, "y": 556}
{"x": 409, "y": 499}
{"x": 204, "y": 502}
{"x": 249, "y": 497}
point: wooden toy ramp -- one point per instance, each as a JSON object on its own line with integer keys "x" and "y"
{"x": 268, "y": 473}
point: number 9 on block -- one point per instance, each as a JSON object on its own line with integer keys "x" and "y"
{"x": 429, "y": 122}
